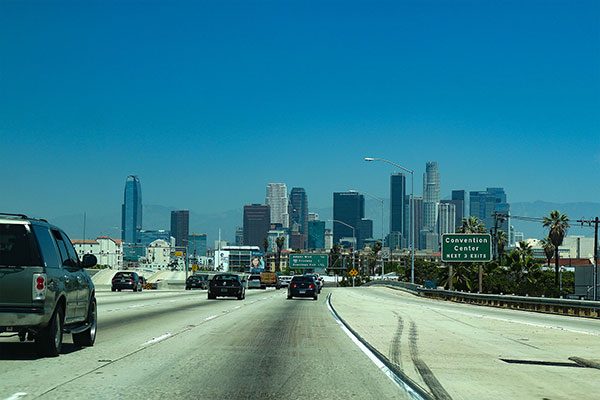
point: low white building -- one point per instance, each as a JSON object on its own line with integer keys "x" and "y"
{"x": 158, "y": 254}
{"x": 108, "y": 251}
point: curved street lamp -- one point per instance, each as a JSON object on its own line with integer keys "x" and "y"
{"x": 354, "y": 238}
{"x": 412, "y": 208}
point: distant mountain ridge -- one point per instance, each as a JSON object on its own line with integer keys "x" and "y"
{"x": 159, "y": 217}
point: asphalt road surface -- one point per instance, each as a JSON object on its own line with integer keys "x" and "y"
{"x": 178, "y": 344}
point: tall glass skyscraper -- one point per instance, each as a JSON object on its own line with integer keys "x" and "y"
{"x": 483, "y": 205}
{"x": 348, "y": 207}
{"x": 299, "y": 213}
{"x": 431, "y": 195}
{"x": 131, "y": 210}
{"x": 397, "y": 204}
{"x": 180, "y": 227}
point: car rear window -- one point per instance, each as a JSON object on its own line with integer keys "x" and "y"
{"x": 124, "y": 275}
{"x": 18, "y": 247}
{"x": 225, "y": 277}
{"x": 302, "y": 279}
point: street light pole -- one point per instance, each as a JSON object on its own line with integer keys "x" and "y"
{"x": 381, "y": 201}
{"x": 412, "y": 208}
{"x": 354, "y": 239}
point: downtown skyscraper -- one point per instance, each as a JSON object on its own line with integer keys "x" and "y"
{"x": 180, "y": 227}
{"x": 398, "y": 202}
{"x": 484, "y": 203}
{"x": 131, "y": 210}
{"x": 277, "y": 199}
{"x": 431, "y": 195}
{"x": 299, "y": 213}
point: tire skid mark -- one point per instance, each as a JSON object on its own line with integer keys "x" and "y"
{"x": 396, "y": 342}
{"x": 438, "y": 391}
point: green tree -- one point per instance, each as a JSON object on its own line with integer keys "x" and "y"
{"x": 471, "y": 225}
{"x": 265, "y": 244}
{"x": 501, "y": 240}
{"x": 548, "y": 249}
{"x": 524, "y": 250}
{"x": 280, "y": 241}
{"x": 558, "y": 225}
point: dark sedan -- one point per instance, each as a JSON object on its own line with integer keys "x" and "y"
{"x": 195, "y": 281}
{"x": 303, "y": 286}
{"x": 227, "y": 285}
{"x": 126, "y": 280}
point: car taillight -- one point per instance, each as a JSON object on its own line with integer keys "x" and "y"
{"x": 39, "y": 286}
{"x": 311, "y": 286}
{"x": 293, "y": 285}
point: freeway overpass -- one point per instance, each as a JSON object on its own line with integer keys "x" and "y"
{"x": 178, "y": 344}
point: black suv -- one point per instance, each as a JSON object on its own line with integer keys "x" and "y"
{"x": 44, "y": 289}
{"x": 195, "y": 281}
{"x": 228, "y": 285}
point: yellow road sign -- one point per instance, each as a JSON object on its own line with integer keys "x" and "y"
{"x": 353, "y": 272}
{"x": 194, "y": 267}
{"x": 179, "y": 254}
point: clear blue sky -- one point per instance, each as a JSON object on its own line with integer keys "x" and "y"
{"x": 207, "y": 102}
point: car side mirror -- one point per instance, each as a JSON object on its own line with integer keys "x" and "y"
{"x": 89, "y": 260}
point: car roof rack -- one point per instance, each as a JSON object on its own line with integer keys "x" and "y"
{"x": 23, "y": 216}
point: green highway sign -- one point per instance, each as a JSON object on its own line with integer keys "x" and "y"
{"x": 466, "y": 247}
{"x": 309, "y": 261}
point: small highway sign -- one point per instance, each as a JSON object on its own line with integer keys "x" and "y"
{"x": 466, "y": 247}
{"x": 353, "y": 272}
{"x": 194, "y": 267}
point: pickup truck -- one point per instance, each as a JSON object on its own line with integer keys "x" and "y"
{"x": 269, "y": 279}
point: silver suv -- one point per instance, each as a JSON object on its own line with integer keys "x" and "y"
{"x": 44, "y": 289}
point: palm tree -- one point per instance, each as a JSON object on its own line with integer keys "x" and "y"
{"x": 548, "y": 248}
{"x": 524, "y": 250}
{"x": 279, "y": 242}
{"x": 471, "y": 225}
{"x": 501, "y": 240}
{"x": 558, "y": 225}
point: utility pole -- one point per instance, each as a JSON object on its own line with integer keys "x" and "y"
{"x": 595, "y": 221}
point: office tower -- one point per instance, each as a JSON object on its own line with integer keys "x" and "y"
{"x": 328, "y": 239}
{"x": 446, "y": 218}
{"x": 313, "y": 216}
{"x": 398, "y": 216}
{"x": 277, "y": 199}
{"x": 180, "y": 227}
{"x": 458, "y": 199}
{"x": 431, "y": 195}
{"x": 299, "y": 213}
{"x": 239, "y": 236}
{"x": 256, "y": 224}
{"x": 316, "y": 234}
{"x": 348, "y": 207}
{"x": 145, "y": 237}
{"x": 394, "y": 240}
{"x": 197, "y": 244}
{"x": 365, "y": 231}
{"x": 418, "y": 223}
{"x": 131, "y": 210}
{"x": 484, "y": 203}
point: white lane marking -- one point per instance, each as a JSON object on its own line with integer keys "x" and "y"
{"x": 136, "y": 306}
{"x": 390, "y": 374}
{"x": 16, "y": 396}
{"x": 237, "y": 307}
{"x": 211, "y": 317}
{"x": 156, "y": 340}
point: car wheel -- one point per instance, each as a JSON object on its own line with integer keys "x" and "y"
{"x": 88, "y": 337}
{"x": 112, "y": 289}
{"x": 289, "y": 296}
{"x": 141, "y": 287}
{"x": 49, "y": 340}
{"x": 315, "y": 298}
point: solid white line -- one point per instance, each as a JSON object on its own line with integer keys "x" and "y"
{"x": 16, "y": 396}
{"x": 156, "y": 340}
{"x": 235, "y": 308}
{"x": 390, "y": 374}
{"x": 211, "y": 317}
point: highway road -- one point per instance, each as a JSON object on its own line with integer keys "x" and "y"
{"x": 178, "y": 344}
{"x": 463, "y": 351}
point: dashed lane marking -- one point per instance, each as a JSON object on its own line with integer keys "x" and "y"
{"x": 157, "y": 339}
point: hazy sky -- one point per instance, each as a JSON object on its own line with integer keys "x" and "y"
{"x": 207, "y": 102}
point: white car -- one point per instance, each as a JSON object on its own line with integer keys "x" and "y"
{"x": 284, "y": 280}
{"x": 254, "y": 282}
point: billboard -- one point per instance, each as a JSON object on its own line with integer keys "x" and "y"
{"x": 222, "y": 260}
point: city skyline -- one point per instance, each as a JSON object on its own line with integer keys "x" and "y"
{"x": 237, "y": 107}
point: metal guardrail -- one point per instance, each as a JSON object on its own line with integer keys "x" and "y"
{"x": 580, "y": 308}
